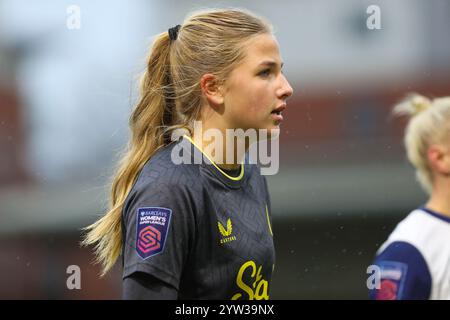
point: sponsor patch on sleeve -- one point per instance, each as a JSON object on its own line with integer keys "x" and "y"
{"x": 152, "y": 228}
{"x": 392, "y": 280}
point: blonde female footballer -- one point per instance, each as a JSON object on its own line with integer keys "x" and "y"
{"x": 197, "y": 229}
{"x": 415, "y": 259}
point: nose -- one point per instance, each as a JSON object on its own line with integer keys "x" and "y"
{"x": 285, "y": 90}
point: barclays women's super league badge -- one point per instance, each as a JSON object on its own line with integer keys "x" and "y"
{"x": 152, "y": 227}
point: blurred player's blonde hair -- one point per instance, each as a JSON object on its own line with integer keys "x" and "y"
{"x": 429, "y": 124}
{"x": 210, "y": 41}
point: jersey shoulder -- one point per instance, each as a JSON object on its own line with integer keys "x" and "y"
{"x": 421, "y": 229}
{"x": 162, "y": 168}
{"x": 161, "y": 178}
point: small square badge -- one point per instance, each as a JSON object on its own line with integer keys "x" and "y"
{"x": 152, "y": 228}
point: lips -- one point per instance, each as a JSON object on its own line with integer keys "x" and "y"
{"x": 279, "y": 109}
{"x": 276, "y": 113}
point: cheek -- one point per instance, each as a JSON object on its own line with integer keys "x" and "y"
{"x": 260, "y": 102}
{"x": 253, "y": 99}
{"x": 250, "y": 103}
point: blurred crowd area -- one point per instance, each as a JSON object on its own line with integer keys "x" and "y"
{"x": 66, "y": 94}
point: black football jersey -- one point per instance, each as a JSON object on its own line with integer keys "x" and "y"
{"x": 195, "y": 227}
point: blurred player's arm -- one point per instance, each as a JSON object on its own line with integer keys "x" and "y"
{"x": 404, "y": 274}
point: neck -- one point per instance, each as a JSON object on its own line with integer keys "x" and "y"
{"x": 226, "y": 152}
{"x": 440, "y": 198}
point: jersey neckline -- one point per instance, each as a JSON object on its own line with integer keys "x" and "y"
{"x": 435, "y": 214}
{"x": 211, "y": 166}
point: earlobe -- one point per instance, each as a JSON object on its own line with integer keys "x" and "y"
{"x": 211, "y": 89}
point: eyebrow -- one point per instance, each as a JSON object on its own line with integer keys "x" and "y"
{"x": 271, "y": 64}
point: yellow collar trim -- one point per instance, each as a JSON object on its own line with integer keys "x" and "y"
{"x": 215, "y": 165}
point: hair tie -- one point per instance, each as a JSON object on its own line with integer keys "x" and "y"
{"x": 173, "y": 32}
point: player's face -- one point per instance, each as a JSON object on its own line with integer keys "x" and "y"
{"x": 256, "y": 88}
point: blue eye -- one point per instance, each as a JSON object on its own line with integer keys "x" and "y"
{"x": 265, "y": 73}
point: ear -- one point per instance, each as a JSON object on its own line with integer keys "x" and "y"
{"x": 211, "y": 89}
{"x": 439, "y": 159}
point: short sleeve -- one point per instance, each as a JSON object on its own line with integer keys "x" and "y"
{"x": 141, "y": 286}
{"x": 404, "y": 274}
{"x": 159, "y": 228}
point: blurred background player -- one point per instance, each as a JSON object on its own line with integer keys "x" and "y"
{"x": 415, "y": 259}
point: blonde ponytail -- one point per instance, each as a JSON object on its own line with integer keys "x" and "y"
{"x": 147, "y": 136}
